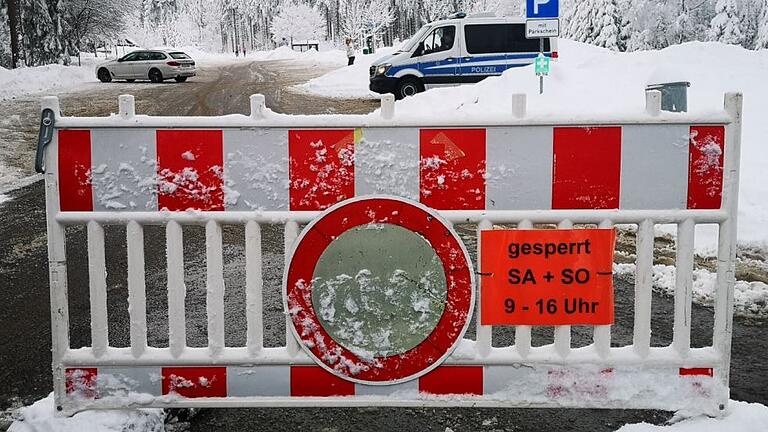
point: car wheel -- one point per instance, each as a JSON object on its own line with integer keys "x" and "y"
{"x": 180, "y": 79}
{"x": 130, "y": 80}
{"x": 155, "y": 76}
{"x": 408, "y": 87}
{"x": 104, "y": 75}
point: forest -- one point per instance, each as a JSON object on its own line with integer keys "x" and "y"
{"x": 36, "y": 32}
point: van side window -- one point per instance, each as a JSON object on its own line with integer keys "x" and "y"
{"x": 486, "y": 38}
{"x": 518, "y": 43}
{"x": 441, "y": 39}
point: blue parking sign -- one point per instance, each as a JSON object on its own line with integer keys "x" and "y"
{"x": 542, "y": 8}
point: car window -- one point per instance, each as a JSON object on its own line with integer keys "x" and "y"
{"x": 131, "y": 56}
{"x": 179, "y": 55}
{"x": 157, "y": 56}
{"x": 518, "y": 43}
{"x": 441, "y": 39}
{"x": 486, "y": 38}
{"x": 143, "y": 56}
{"x": 500, "y": 38}
{"x": 410, "y": 43}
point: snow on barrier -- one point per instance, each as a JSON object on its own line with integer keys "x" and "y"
{"x": 268, "y": 169}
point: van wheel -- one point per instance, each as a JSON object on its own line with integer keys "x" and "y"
{"x": 155, "y": 76}
{"x": 104, "y": 75}
{"x": 408, "y": 87}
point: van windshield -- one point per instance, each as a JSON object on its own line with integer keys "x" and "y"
{"x": 408, "y": 45}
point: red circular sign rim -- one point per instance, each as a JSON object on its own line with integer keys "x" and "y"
{"x": 435, "y": 348}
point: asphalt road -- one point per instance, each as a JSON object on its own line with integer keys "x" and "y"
{"x": 25, "y": 325}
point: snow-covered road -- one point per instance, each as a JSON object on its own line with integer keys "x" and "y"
{"x": 220, "y": 88}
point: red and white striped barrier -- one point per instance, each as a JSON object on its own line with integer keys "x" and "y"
{"x": 576, "y": 386}
{"x": 498, "y": 168}
{"x": 643, "y": 170}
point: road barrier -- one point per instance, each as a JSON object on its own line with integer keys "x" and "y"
{"x": 133, "y": 170}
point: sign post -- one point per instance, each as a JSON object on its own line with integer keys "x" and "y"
{"x": 542, "y": 21}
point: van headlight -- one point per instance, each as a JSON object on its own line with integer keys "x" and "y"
{"x": 382, "y": 69}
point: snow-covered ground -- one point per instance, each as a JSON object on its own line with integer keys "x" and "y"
{"x": 48, "y": 78}
{"x": 741, "y": 417}
{"x": 348, "y": 81}
{"x": 39, "y": 417}
{"x": 750, "y": 298}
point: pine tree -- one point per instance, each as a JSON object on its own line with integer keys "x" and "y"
{"x": 41, "y": 32}
{"x": 761, "y": 41}
{"x": 595, "y": 22}
{"x": 625, "y": 25}
{"x": 726, "y": 25}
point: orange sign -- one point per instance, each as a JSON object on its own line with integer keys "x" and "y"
{"x": 547, "y": 277}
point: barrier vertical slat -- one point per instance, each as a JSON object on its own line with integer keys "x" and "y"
{"x": 484, "y": 332}
{"x": 214, "y": 300}
{"x": 641, "y": 340}
{"x": 57, "y": 263}
{"x": 602, "y": 334}
{"x": 563, "y": 333}
{"x": 523, "y": 332}
{"x": 253, "y": 288}
{"x": 683, "y": 287}
{"x": 97, "y": 282}
{"x": 291, "y": 234}
{"x": 137, "y": 296}
{"x": 177, "y": 291}
{"x": 726, "y": 253}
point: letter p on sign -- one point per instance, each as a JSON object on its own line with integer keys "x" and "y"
{"x": 542, "y": 9}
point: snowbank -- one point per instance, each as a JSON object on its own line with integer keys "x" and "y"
{"x": 587, "y": 82}
{"x": 333, "y": 56}
{"x": 50, "y": 78}
{"x": 4, "y": 198}
{"x": 741, "y": 417}
{"x": 750, "y": 298}
{"x": 347, "y": 81}
{"x": 39, "y": 417}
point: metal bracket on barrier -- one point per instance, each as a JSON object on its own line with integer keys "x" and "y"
{"x": 47, "y": 121}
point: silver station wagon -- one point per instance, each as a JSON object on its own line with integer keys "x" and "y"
{"x": 154, "y": 65}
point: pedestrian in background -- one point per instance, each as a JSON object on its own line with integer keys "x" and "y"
{"x": 350, "y": 52}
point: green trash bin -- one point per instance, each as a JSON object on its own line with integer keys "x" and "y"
{"x": 674, "y": 95}
{"x": 365, "y": 51}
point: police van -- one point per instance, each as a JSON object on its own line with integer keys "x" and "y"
{"x": 461, "y": 49}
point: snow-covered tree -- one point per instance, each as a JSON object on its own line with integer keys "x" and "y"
{"x": 726, "y": 25}
{"x": 761, "y": 40}
{"x": 363, "y": 17}
{"x": 595, "y": 22}
{"x": 297, "y": 21}
{"x": 42, "y": 32}
{"x": 749, "y": 15}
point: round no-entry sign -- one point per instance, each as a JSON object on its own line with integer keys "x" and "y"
{"x": 379, "y": 289}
